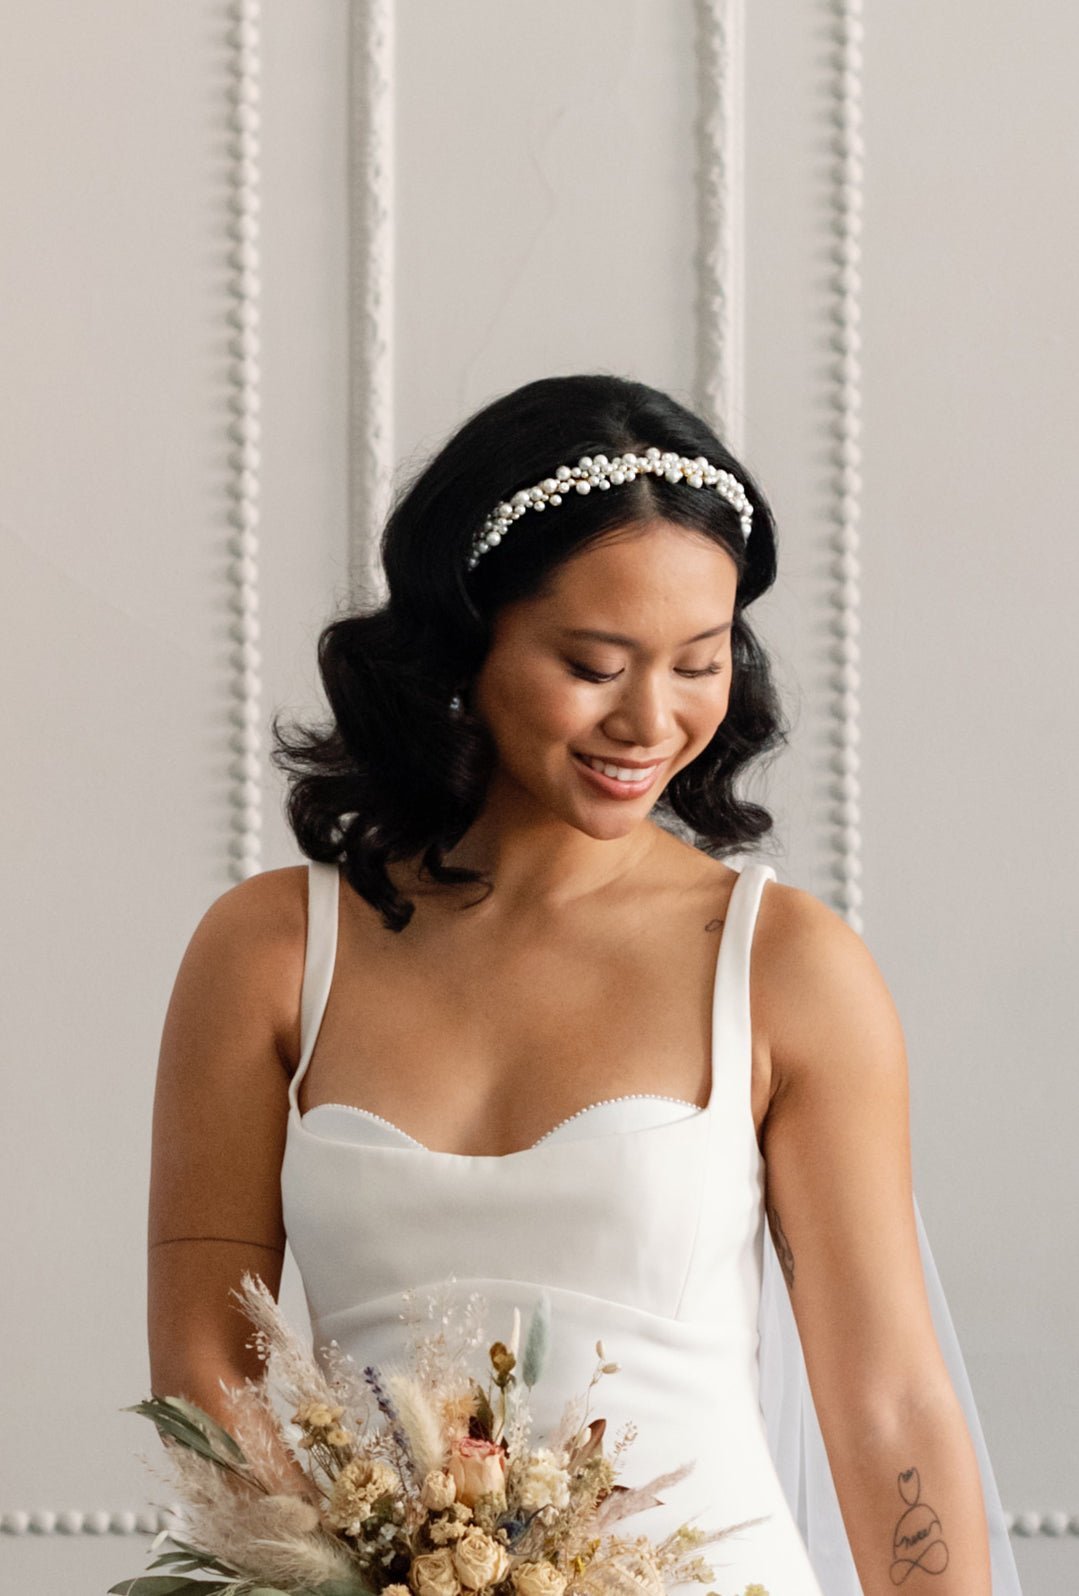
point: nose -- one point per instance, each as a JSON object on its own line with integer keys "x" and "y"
{"x": 643, "y": 714}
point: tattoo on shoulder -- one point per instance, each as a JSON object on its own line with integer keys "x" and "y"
{"x": 715, "y": 924}
{"x": 781, "y": 1244}
{"x": 916, "y": 1539}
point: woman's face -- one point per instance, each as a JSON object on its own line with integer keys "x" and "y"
{"x": 553, "y": 691}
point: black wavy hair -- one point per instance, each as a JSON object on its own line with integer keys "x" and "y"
{"x": 395, "y": 774}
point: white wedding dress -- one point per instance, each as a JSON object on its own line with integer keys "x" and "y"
{"x": 642, "y": 1217}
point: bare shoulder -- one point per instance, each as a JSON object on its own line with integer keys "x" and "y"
{"x": 251, "y": 941}
{"x": 817, "y": 987}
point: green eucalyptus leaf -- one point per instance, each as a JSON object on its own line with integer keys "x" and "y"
{"x": 191, "y": 1555}
{"x": 167, "y": 1585}
{"x": 191, "y": 1425}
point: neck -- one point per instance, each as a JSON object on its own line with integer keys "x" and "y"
{"x": 534, "y": 859}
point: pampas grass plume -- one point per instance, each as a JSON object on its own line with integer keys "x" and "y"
{"x": 418, "y": 1420}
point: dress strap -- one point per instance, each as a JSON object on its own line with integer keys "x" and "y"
{"x": 732, "y": 1032}
{"x": 320, "y": 956}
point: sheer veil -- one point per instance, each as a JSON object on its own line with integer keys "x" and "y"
{"x": 797, "y": 1447}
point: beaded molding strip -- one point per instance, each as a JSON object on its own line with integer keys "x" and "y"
{"x": 719, "y": 46}
{"x": 844, "y": 809}
{"x": 151, "y": 1520}
{"x": 245, "y": 770}
{"x": 371, "y": 310}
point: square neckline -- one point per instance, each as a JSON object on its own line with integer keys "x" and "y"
{"x": 545, "y": 1142}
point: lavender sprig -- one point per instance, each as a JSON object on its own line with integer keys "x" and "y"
{"x": 386, "y": 1404}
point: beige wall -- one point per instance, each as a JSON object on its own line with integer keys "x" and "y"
{"x": 545, "y": 221}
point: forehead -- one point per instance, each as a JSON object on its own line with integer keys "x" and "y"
{"x": 655, "y": 573}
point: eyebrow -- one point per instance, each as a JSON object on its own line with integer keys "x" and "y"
{"x": 631, "y": 642}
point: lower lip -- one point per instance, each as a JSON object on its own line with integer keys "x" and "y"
{"x": 613, "y": 788}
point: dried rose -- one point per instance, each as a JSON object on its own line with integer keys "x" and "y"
{"x": 479, "y": 1559}
{"x": 538, "y": 1579}
{"x": 477, "y": 1467}
{"x": 503, "y": 1361}
{"x": 438, "y": 1489}
{"x": 433, "y": 1574}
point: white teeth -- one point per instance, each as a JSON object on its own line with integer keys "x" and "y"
{"x": 619, "y": 772}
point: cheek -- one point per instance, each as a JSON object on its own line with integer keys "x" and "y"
{"x": 532, "y": 703}
{"x": 702, "y": 718}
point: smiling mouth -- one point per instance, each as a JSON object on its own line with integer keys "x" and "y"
{"x": 628, "y": 775}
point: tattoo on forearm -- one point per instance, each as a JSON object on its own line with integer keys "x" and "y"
{"x": 917, "y": 1541}
{"x": 782, "y": 1246}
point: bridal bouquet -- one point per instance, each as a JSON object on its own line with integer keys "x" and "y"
{"x": 422, "y": 1480}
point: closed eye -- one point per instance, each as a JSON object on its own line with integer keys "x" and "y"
{"x": 595, "y": 676}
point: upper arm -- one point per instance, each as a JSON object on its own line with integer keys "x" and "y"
{"x": 836, "y": 1143}
{"x": 219, "y": 1122}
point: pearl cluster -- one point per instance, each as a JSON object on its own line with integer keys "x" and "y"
{"x": 597, "y": 471}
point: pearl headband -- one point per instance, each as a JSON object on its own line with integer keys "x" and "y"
{"x": 597, "y": 471}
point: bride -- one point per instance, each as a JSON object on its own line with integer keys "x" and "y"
{"x": 519, "y": 1025}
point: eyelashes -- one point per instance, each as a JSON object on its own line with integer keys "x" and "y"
{"x": 596, "y": 676}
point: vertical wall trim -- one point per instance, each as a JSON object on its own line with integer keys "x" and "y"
{"x": 844, "y": 817}
{"x": 720, "y": 377}
{"x": 245, "y": 686}
{"x": 371, "y": 395}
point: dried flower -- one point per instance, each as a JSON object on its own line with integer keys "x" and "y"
{"x": 537, "y": 1579}
{"x": 445, "y": 1530}
{"x": 438, "y": 1489}
{"x": 433, "y": 1574}
{"x": 479, "y": 1559}
{"x": 316, "y": 1416}
{"x": 478, "y": 1467}
{"x": 503, "y": 1361}
{"x": 543, "y": 1481}
{"x": 359, "y": 1484}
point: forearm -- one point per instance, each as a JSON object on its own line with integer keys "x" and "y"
{"x": 911, "y": 1498}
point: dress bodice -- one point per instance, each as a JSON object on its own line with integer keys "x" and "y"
{"x": 643, "y": 1219}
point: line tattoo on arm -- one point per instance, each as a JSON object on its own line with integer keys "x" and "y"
{"x": 917, "y": 1541}
{"x": 242, "y": 1241}
{"x": 782, "y": 1245}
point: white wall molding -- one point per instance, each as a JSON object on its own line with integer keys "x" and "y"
{"x": 371, "y": 390}
{"x": 720, "y": 170}
{"x": 844, "y": 400}
{"x": 244, "y": 374}
{"x": 151, "y": 1521}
